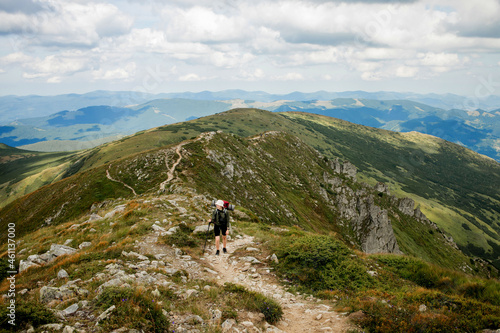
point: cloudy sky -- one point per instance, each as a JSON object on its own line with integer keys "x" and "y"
{"x": 51, "y": 47}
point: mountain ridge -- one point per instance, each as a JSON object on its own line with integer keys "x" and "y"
{"x": 420, "y": 165}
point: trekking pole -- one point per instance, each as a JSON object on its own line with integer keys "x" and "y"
{"x": 206, "y": 237}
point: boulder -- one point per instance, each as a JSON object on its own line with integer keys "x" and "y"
{"x": 406, "y": 206}
{"x": 59, "y": 250}
{"x": 62, "y": 274}
{"x": 203, "y": 229}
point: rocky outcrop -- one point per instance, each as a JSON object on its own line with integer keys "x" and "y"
{"x": 36, "y": 260}
{"x": 371, "y": 224}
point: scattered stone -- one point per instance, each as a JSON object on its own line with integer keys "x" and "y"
{"x": 252, "y": 260}
{"x": 62, "y": 274}
{"x": 84, "y": 245}
{"x": 274, "y": 258}
{"x": 203, "y": 229}
{"x": 105, "y": 314}
{"x": 48, "y": 294}
{"x": 227, "y": 325}
{"x": 252, "y": 249}
{"x": 70, "y": 309}
{"x": 422, "y": 308}
{"x": 191, "y": 292}
{"x": 216, "y": 316}
{"x": 59, "y": 250}
{"x": 53, "y": 327}
{"x": 318, "y": 317}
{"x": 357, "y": 316}
{"x": 156, "y": 293}
{"x": 25, "y": 264}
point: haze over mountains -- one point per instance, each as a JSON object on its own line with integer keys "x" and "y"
{"x": 71, "y": 122}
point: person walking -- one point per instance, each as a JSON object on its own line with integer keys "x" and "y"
{"x": 220, "y": 219}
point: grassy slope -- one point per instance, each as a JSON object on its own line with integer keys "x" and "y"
{"x": 411, "y": 164}
{"x": 22, "y": 172}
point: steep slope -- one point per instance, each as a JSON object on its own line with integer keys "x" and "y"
{"x": 463, "y": 202}
{"x": 22, "y": 172}
{"x": 275, "y": 175}
{"x": 131, "y": 256}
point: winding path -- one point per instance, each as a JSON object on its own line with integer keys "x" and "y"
{"x": 299, "y": 314}
{"x": 118, "y": 181}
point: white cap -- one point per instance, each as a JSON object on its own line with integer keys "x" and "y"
{"x": 219, "y": 203}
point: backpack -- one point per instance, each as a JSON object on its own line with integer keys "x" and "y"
{"x": 227, "y": 205}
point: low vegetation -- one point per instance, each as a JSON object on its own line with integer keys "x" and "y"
{"x": 389, "y": 293}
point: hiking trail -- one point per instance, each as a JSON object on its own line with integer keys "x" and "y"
{"x": 118, "y": 181}
{"x": 245, "y": 264}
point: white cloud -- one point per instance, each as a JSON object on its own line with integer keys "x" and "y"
{"x": 253, "y": 42}
{"x": 15, "y": 58}
{"x": 55, "y": 66}
{"x": 122, "y": 73}
{"x": 191, "y": 77}
{"x": 406, "y": 71}
{"x": 289, "y": 77}
{"x": 68, "y": 23}
{"x": 202, "y": 24}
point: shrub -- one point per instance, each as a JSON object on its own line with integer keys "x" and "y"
{"x": 253, "y": 301}
{"x": 134, "y": 308}
{"x": 320, "y": 262}
{"x": 28, "y": 312}
{"x": 183, "y": 237}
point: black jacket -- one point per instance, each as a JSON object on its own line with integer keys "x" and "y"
{"x": 220, "y": 217}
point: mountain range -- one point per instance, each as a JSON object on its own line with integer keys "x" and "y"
{"x": 92, "y": 125}
{"x": 400, "y": 228}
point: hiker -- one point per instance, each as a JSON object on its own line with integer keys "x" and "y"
{"x": 220, "y": 219}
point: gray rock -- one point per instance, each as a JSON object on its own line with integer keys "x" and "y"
{"x": 216, "y": 316}
{"x": 59, "y": 250}
{"x": 105, "y": 314}
{"x": 62, "y": 274}
{"x": 116, "y": 210}
{"x": 203, "y": 229}
{"x": 227, "y": 325}
{"x": 191, "y": 292}
{"x": 70, "y": 309}
{"x": 84, "y": 245}
{"x": 158, "y": 228}
{"x": 274, "y": 258}
{"x": 25, "y": 264}
{"x": 53, "y": 327}
{"x": 252, "y": 260}
{"x": 349, "y": 169}
{"x": 48, "y": 294}
{"x": 406, "y": 206}
{"x": 194, "y": 320}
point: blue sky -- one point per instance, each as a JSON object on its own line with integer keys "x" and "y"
{"x": 51, "y": 47}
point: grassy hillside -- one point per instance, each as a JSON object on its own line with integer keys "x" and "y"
{"x": 22, "y": 172}
{"x": 285, "y": 198}
{"x": 453, "y": 186}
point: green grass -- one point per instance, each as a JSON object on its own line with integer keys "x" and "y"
{"x": 419, "y": 166}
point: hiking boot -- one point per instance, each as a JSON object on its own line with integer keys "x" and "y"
{"x": 224, "y": 250}
{"x": 217, "y": 253}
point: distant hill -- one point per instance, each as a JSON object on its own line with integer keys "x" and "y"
{"x": 477, "y": 130}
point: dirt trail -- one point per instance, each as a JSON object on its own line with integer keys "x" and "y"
{"x": 300, "y": 314}
{"x": 118, "y": 181}
{"x": 170, "y": 173}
